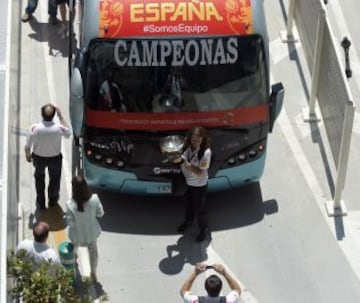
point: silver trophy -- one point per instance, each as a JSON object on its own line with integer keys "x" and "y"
{"x": 171, "y": 147}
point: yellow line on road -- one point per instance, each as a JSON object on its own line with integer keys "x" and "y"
{"x": 58, "y": 237}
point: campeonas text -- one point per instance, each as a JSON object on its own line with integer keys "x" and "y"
{"x": 177, "y": 52}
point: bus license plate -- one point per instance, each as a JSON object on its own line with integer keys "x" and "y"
{"x": 165, "y": 189}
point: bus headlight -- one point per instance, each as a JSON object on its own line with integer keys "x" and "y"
{"x": 252, "y": 153}
{"x": 242, "y": 157}
{"x": 120, "y": 163}
{"x": 231, "y": 161}
{"x": 246, "y": 155}
{"x": 98, "y": 157}
{"x": 109, "y": 160}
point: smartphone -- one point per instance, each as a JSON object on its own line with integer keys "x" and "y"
{"x": 209, "y": 267}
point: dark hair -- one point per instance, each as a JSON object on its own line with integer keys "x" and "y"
{"x": 41, "y": 231}
{"x": 48, "y": 112}
{"x": 213, "y": 286}
{"x": 80, "y": 192}
{"x": 203, "y": 134}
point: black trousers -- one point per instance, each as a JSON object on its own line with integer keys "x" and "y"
{"x": 196, "y": 205}
{"x": 53, "y": 164}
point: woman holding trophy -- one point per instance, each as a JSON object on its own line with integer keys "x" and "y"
{"x": 195, "y": 165}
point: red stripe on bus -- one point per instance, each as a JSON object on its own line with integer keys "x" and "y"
{"x": 176, "y": 121}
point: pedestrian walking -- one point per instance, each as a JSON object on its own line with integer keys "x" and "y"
{"x": 43, "y": 148}
{"x": 213, "y": 286}
{"x": 63, "y": 12}
{"x": 31, "y": 7}
{"x": 37, "y": 250}
{"x": 195, "y": 165}
{"x": 82, "y": 211}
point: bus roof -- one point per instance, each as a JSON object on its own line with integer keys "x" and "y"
{"x": 171, "y": 18}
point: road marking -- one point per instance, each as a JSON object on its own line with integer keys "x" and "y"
{"x": 351, "y": 251}
{"x": 293, "y": 143}
{"x": 58, "y": 236}
{"x": 214, "y": 258}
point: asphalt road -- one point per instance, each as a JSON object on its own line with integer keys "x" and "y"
{"x": 274, "y": 236}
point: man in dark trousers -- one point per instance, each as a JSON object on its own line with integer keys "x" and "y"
{"x": 43, "y": 148}
{"x": 213, "y": 286}
{"x": 31, "y": 7}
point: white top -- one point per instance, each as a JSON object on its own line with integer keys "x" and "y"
{"x": 193, "y": 179}
{"x": 45, "y": 138}
{"x": 84, "y": 227}
{"x": 232, "y": 297}
{"x": 106, "y": 94}
{"x": 38, "y": 252}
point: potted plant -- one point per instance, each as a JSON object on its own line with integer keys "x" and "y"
{"x": 49, "y": 283}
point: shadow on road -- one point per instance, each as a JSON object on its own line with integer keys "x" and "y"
{"x": 162, "y": 215}
{"x": 184, "y": 251}
{"x": 58, "y": 42}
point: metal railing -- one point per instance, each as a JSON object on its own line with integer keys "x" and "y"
{"x": 329, "y": 86}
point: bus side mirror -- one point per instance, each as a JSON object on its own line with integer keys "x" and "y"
{"x": 76, "y": 102}
{"x": 275, "y": 103}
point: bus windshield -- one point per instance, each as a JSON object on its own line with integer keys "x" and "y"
{"x": 190, "y": 75}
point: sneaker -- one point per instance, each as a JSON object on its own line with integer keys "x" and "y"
{"x": 202, "y": 235}
{"x": 184, "y": 226}
{"x": 53, "y": 20}
{"x": 26, "y": 17}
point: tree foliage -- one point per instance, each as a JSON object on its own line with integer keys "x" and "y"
{"x": 46, "y": 283}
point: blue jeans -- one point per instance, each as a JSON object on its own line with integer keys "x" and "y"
{"x": 32, "y": 4}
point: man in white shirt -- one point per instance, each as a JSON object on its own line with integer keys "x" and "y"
{"x": 37, "y": 250}
{"x": 112, "y": 97}
{"x": 213, "y": 285}
{"x": 43, "y": 148}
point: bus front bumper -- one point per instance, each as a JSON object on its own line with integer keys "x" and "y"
{"x": 127, "y": 183}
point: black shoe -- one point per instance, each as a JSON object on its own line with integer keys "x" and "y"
{"x": 53, "y": 204}
{"x": 184, "y": 226}
{"x": 202, "y": 235}
{"x": 53, "y": 20}
{"x": 40, "y": 207}
{"x": 26, "y": 17}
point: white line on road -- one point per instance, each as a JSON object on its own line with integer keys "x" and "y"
{"x": 214, "y": 258}
{"x": 83, "y": 256}
{"x": 53, "y": 99}
{"x": 350, "y": 243}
